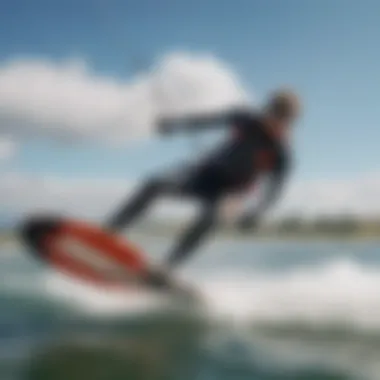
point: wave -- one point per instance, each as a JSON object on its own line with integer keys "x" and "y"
{"x": 331, "y": 304}
{"x": 338, "y": 293}
{"x": 341, "y": 292}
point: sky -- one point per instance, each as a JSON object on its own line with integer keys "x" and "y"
{"x": 82, "y": 81}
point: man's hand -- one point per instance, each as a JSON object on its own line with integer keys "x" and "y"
{"x": 247, "y": 222}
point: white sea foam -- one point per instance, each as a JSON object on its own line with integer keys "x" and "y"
{"x": 340, "y": 292}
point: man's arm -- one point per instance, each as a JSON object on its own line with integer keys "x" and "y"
{"x": 199, "y": 122}
{"x": 270, "y": 195}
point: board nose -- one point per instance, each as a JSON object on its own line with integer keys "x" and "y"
{"x": 34, "y": 229}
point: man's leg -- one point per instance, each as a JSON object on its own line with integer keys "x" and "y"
{"x": 175, "y": 183}
{"x": 135, "y": 207}
{"x": 194, "y": 235}
{"x": 186, "y": 246}
{"x": 209, "y": 186}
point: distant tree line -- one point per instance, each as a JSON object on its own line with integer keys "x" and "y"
{"x": 342, "y": 224}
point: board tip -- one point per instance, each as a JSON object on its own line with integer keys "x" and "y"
{"x": 35, "y": 228}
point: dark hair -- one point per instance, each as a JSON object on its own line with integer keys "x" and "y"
{"x": 283, "y": 104}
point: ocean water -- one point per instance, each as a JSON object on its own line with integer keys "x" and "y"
{"x": 271, "y": 311}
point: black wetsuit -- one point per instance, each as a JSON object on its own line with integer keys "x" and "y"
{"x": 251, "y": 150}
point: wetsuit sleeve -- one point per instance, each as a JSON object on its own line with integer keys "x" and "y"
{"x": 277, "y": 180}
{"x": 194, "y": 123}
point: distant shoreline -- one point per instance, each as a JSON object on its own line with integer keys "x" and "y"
{"x": 276, "y": 237}
{"x": 262, "y": 235}
{"x": 278, "y": 232}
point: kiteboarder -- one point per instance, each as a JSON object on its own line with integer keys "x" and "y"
{"x": 257, "y": 147}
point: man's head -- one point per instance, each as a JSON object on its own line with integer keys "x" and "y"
{"x": 283, "y": 107}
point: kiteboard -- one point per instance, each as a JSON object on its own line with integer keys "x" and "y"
{"x": 91, "y": 254}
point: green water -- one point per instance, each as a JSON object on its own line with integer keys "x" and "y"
{"x": 273, "y": 311}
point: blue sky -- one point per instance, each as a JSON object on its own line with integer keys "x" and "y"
{"x": 327, "y": 49}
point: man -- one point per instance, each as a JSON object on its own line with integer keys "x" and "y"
{"x": 257, "y": 147}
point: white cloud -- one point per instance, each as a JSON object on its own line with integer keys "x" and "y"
{"x": 88, "y": 198}
{"x": 67, "y": 100}
{"x": 8, "y": 148}
{"x": 97, "y": 198}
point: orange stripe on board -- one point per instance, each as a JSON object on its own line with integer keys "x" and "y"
{"x": 91, "y": 254}
{"x": 112, "y": 246}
